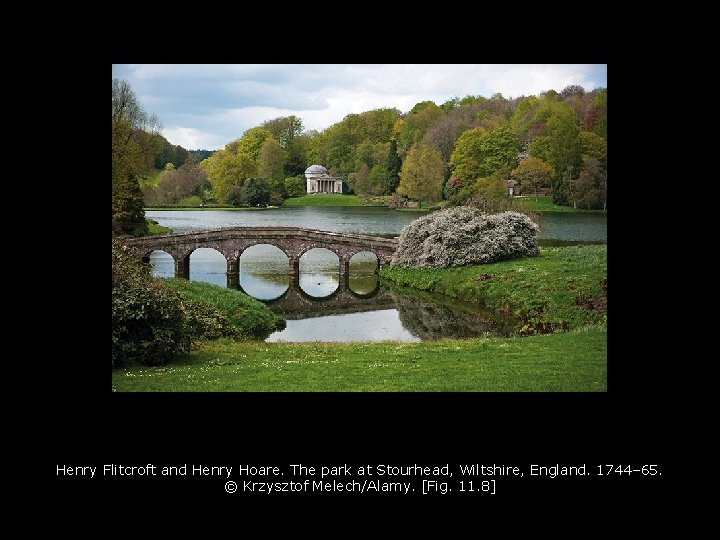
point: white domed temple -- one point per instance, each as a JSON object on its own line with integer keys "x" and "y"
{"x": 320, "y": 181}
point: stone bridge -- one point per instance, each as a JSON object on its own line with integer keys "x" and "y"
{"x": 231, "y": 242}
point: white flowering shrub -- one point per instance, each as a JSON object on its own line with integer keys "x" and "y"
{"x": 465, "y": 235}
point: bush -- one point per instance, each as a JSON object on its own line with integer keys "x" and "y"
{"x": 465, "y": 235}
{"x": 148, "y": 320}
{"x": 207, "y": 322}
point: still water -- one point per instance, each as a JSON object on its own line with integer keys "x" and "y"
{"x": 318, "y": 307}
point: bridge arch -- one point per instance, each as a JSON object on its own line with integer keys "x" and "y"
{"x": 163, "y": 263}
{"x": 293, "y": 241}
{"x": 275, "y": 263}
{"x": 320, "y": 272}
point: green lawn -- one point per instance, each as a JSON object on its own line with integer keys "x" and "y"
{"x": 573, "y": 362}
{"x": 154, "y": 228}
{"x": 323, "y": 200}
{"x": 544, "y": 203}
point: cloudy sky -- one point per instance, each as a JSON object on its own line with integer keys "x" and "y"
{"x": 206, "y": 106}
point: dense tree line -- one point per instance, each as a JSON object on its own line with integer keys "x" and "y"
{"x": 466, "y": 150}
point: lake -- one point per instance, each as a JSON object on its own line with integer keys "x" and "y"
{"x": 318, "y": 307}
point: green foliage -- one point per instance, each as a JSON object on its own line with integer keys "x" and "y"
{"x": 596, "y": 117}
{"x": 394, "y": 165}
{"x": 252, "y": 141}
{"x": 480, "y": 154}
{"x": 594, "y": 146}
{"x": 168, "y": 153}
{"x": 148, "y": 320}
{"x": 178, "y": 186}
{"x": 532, "y": 173}
{"x": 588, "y": 190}
{"x": 205, "y": 321}
{"x": 416, "y": 123}
{"x": 272, "y": 159}
{"x": 564, "y": 150}
{"x": 128, "y": 215}
{"x": 240, "y": 160}
{"x": 256, "y": 192}
{"x": 234, "y": 196}
{"x": 421, "y": 177}
{"x": 359, "y": 138}
{"x": 284, "y": 129}
{"x": 295, "y": 187}
{"x": 464, "y": 235}
{"x": 132, "y": 153}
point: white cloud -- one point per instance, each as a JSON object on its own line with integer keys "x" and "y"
{"x": 209, "y": 105}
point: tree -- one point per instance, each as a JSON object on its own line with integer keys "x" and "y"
{"x": 394, "y": 164}
{"x": 466, "y": 159}
{"x": 295, "y": 187}
{"x": 417, "y": 122}
{"x": 593, "y": 145}
{"x": 271, "y": 161}
{"x": 589, "y": 189}
{"x": 572, "y": 90}
{"x": 533, "y": 173}
{"x": 132, "y": 154}
{"x": 256, "y": 192}
{"x": 596, "y": 116}
{"x": 361, "y": 180}
{"x": 228, "y": 167}
{"x": 377, "y": 179}
{"x": 421, "y": 176}
{"x": 563, "y": 149}
{"x": 480, "y": 154}
{"x": 284, "y": 128}
{"x": 252, "y": 141}
{"x": 178, "y": 184}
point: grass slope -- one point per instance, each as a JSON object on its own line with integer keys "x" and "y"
{"x": 252, "y": 317}
{"x": 546, "y": 292}
{"x": 574, "y": 361}
{"x": 323, "y": 200}
{"x": 543, "y": 203}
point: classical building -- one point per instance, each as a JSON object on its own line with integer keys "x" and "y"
{"x": 319, "y": 181}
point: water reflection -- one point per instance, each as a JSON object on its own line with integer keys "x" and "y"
{"x": 321, "y": 305}
{"x": 264, "y": 272}
{"x": 382, "y": 325}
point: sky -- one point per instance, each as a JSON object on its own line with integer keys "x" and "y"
{"x": 205, "y": 106}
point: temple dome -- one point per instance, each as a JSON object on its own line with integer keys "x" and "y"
{"x": 316, "y": 169}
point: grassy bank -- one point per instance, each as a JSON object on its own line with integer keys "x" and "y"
{"x": 574, "y": 361}
{"x": 560, "y": 289}
{"x": 155, "y": 228}
{"x": 253, "y": 318}
{"x": 323, "y": 200}
{"x": 544, "y": 203}
{"x": 207, "y": 207}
